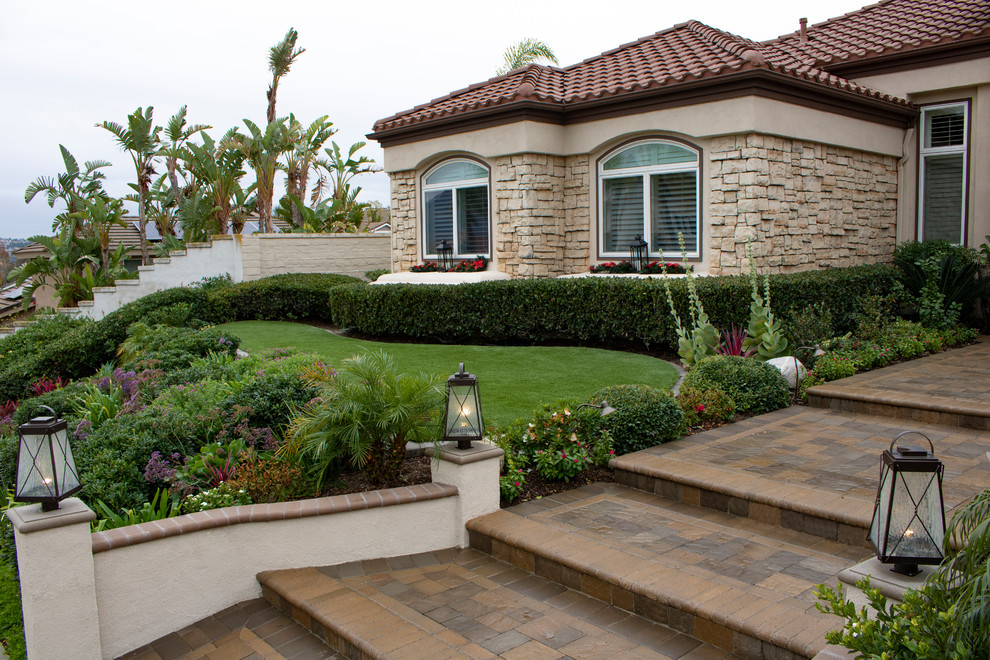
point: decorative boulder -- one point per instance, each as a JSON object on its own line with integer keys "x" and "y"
{"x": 794, "y": 372}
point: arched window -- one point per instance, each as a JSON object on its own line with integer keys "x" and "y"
{"x": 649, "y": 188}
{"x": 455, "y": 209}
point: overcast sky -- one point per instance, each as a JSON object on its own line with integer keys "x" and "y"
{"x": 67, "y": 65}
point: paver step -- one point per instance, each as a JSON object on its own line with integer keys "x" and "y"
{"x": 463, "y": 603}
{"x": 743, "y": 586}
{"x": 807, "y": 469}
{"x": 950, "y": 389}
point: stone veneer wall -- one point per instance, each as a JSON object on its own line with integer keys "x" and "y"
{"x": 539, "y": 209}
{"x": 529, "y": 214}
{"x": 805, "y": 205}
{"x": 402, "y": 212}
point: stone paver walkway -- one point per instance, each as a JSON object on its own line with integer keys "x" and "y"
{"x": 252, "y": 630}
{"x": 466, "y": 604}
{"x": 802, "y": 467}
{"x": 950, "y": 388}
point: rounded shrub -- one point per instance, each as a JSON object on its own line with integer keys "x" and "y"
{"x": 755, "y": 386}
{"x": 644, "y": 416}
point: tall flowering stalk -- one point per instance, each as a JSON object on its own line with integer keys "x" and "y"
{"x": 700, "y": 339}
{"x": 765, "y": 338}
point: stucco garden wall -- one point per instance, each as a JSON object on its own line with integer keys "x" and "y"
{"x": 805, "y": 205}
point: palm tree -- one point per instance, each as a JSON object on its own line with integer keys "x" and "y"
{"x": 303, "y": 158}
{"x": 97, "y": 217}
{"x": 280, "y": 58}
{"x": 178, "y": 134}
{"x": 262, "y": 150}
{"x": 217, "y": 170}
{"x": 140, "y": 138}
{"x": 523, "y": 52}
{"x": 71, "y": 187}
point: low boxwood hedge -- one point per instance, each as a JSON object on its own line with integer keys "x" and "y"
{"x": 617, "y": 312}
{"x": 290, "y": 297}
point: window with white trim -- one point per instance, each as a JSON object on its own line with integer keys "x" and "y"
{"x": 649, "y": 189}
{"x": 455, "y": 209}
{"x": 942, "y": 175}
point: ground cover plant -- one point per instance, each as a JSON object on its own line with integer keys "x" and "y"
{"x": 512, "y": 379}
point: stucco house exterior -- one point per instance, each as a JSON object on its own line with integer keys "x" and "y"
{"x": 825, "y": 147}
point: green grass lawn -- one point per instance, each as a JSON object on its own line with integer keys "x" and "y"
{"x": 513, "y": 380}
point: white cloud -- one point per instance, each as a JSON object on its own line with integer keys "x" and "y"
{"x": 65, "y": 66}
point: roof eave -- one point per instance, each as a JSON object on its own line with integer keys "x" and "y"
{"x": 901, "y": 60}
{"x": 751, "y": 82}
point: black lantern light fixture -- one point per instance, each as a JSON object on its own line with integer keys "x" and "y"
{"x": 638, "y": 253}
{"x": 603, "y": 407}
{"x": 445, "y": 255}
{"x": 909, "y": 517}
{"x": 46, "y": 472}
{"x": 462, "y": 419}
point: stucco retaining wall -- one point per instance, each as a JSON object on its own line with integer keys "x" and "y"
{"x": 114, "y": 591}
{"x": 246, "y": 258}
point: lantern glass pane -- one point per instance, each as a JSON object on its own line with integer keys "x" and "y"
{"x": 916, "y": 516}
{"x": 35, "y": 473}
{"x": 68, "y": 480}
{"x": 879, "y": 523}
{"x": 463, "y": 415}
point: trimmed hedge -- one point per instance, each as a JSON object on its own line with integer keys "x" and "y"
{"x": 755, "y": 386}
{"x": 76, "y": 348}
{"x": 644, "y": 416}
{"x": 290, "y": 297}
{"x": 618, "y": 312}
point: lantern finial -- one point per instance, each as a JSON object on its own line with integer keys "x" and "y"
{"x": 46, "y": 472}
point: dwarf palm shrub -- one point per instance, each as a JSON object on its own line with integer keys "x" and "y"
{"x": 364, "y": 417}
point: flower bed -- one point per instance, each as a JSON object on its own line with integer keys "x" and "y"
{"x": 652, "y": 268}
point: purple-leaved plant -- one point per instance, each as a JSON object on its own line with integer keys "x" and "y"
{"x": 732, "y": 342}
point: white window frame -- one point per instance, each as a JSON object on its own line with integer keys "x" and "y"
{"x": 644, "y": 173}
{"x": 454, "y": 186}
{"x": 925, "y": 152}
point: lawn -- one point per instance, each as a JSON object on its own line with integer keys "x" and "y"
{"x": 513, "y": 380}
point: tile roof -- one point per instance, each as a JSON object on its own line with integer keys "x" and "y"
{"x": 693, "y": 51}
{"x": 888, "y": 27}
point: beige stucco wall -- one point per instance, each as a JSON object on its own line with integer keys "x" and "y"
{"x": 347, "y": 254}
{"x": 740, "y": 115}
{"x": 957, "y": 81}
{"x": 149, "y": 590}
{"x": 245, "y": 258}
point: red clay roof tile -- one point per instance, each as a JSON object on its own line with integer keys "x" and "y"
{"x": 694, "y": 51}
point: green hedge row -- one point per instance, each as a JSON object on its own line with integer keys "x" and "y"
{"x": 76, "y": 348}
{"x": 618, "y": 312}
{"x": 303, "y": 297}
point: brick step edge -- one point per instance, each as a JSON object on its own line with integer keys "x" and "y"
{"x": 925, "y": 411}
{"x": 673, "y": 487}
{"x": 348, "y": 628}
{"x": 774, "y": 637}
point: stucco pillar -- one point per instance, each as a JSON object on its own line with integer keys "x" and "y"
{"x": 58, "y": 585}
{"x": 475, "y": 474}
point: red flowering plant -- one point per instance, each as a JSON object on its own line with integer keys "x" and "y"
{"x": 652, "y": 268}
{"x": 470, "y": 266}
{"x": 709, "y": 407}
{"x": 668, "y": 268}
{"x": 613, "y": 267}
{"x": 466, "y": 266}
